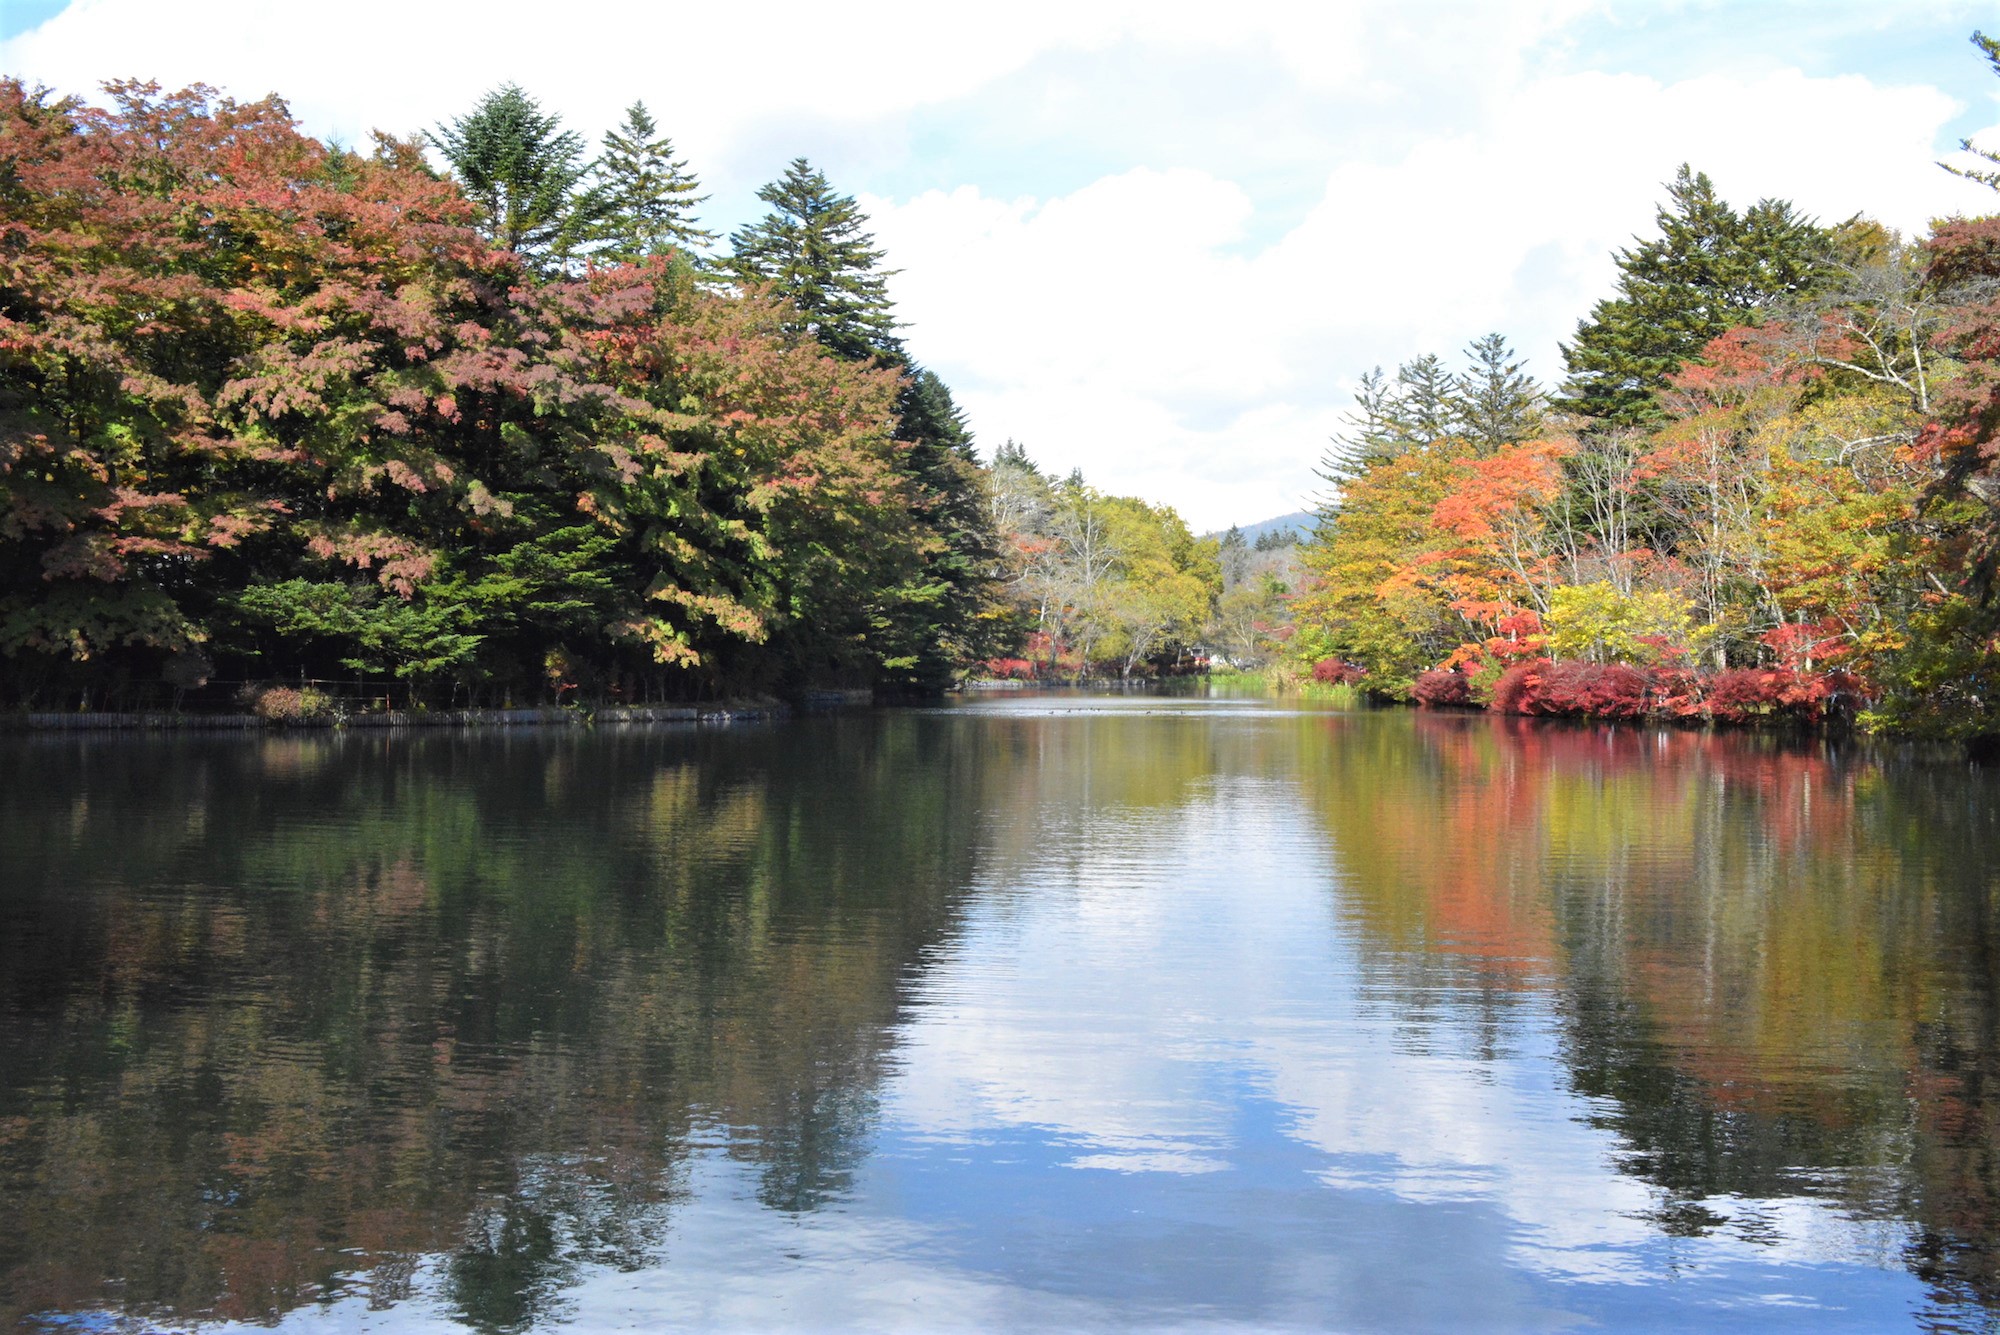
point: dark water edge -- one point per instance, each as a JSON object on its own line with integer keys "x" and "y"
{"x": 551, "y": 716}
{"x": 1027, "y": 1012}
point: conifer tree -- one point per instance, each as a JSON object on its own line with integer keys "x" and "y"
{"x": 1426, "y": 406}
{"x": 1420, "y": 406}
{"x": 1234, "y": 556}
{"x": 650, "y": 194}
{"x": 1990, "y": 48}
{"x": 939, "y": 616}
{"x": 811, "y": 250}
{"x": 526, "y": 173}
{"x": 1709, "y": 270}
{"x": 1498, "y": 403}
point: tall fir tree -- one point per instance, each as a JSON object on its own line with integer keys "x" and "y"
{"x": 650, "y": 194}
{"x": 1234, "y": 556}
{"x": 1990, "y": 48}
{"x": 1426, "y": 407}
{"x": 526, "y": 173}
{"x": 1709, "y": 270}
{"x": 944, "y": 619}
{"x": 811, "y": 249}
{"x": 1392, "y": 417}
{"x": 1371, "y": 433}
{"x": 1498, "y": 403}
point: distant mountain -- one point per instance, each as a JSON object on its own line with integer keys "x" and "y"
{"x": 1299, "y": 523}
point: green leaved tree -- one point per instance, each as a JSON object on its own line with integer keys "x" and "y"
{"x": 1990, "y": 48}
{"x": 1709, "y": 270}
{"x": 649, "y": 193}
{"x": 527, "y": 174}
{"x": 948, "y": 613}
{"x": 1499, "y": 404}
{"x": 811, "y": 250}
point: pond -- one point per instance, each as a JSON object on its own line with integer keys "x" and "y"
{"x": 1056, "y": 1012}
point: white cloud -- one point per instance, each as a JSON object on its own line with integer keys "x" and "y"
{"x": 1147, "y": 240}
{"x": 1149, "y": 967}
{"x": 1119, "y": 328}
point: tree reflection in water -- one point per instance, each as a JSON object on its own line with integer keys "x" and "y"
{"x": 1775, "y": 957}
{"x": 281, "y": 1017}
{"x": 301, "y": 1017}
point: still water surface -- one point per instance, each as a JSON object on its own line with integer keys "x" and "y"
{"x": 1036, "y": 1012}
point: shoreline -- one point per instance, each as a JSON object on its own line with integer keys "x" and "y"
{"x": 550, "y": 716}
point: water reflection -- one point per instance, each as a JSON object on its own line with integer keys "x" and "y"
{"x": 1039, "y": 1012}
{"x": 1772, "y": 961}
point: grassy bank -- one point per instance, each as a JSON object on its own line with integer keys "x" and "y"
{"x": 1282, "y": 681}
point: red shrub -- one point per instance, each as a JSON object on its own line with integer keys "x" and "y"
{"x": 1741, "y": 694}
{"x": 1514, "y": 693}
{"x": 1620, "y": 691}
{"x": 1678, "y": 692}
{"x": 1558, "y": 688}
{"x": 1333, "y": 672}
{"x": 1590, "y": 690}
{"x": 1010, "y": 669}
{"x": 1442, "y": 690}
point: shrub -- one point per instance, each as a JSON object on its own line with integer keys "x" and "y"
{"x": 284, "y": 704}
{"x": 1573, "y": 689}
{"x": 1590, "y": 690}
{"x": 1333, "y": 672}
{"x": 1679, "y": 692}
{"x": 1442, "y": 690}
{"x": 1514, "y": 693}
{"x": 1739, "y": 694}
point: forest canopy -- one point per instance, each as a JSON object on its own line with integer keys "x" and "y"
{"x": 1766, "y": 487}
{"x": 477, "y": 418}
{"x": 489, "y": 416}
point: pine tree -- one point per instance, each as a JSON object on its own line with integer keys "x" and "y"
{"x": 812, "y": 251}
{"x": 1497, "y": 403}
{"x": 1708, "y": 271}
{"x": 526, "y": 174}
{"x": 937, "y": 620}
{"x": 1426, "y": 407}
{"x": 1391, "y": 418}
{"x": 1371, "y": 435}
{"x": 650, "y": 194}
{"x": 1234, "y": 556}
{"x": 1990, "y": 47}
{"x": 1012, "y": 454}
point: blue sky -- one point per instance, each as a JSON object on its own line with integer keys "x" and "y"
{"x": 1152, "y": 240}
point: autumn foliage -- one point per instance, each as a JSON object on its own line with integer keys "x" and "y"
{"x": 1440, "y": 689}
{"x": 1799, "y": 521}
{"x": 274, "y": 409}
{"x": 1549, "y": 688}
{"x": 1333, "y": 672}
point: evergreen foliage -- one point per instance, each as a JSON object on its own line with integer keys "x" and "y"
{"x": 1990, "y": 48}
{"x": 526, "y": 173}
{"x": 1708, "y": 270}
{"x": 1493, "y": 402}
{"x": 812, "y": 251}
{"x": 649, "y": 193}
{"x": 943, "y": 618}
{"x": 1498, "y": 403}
